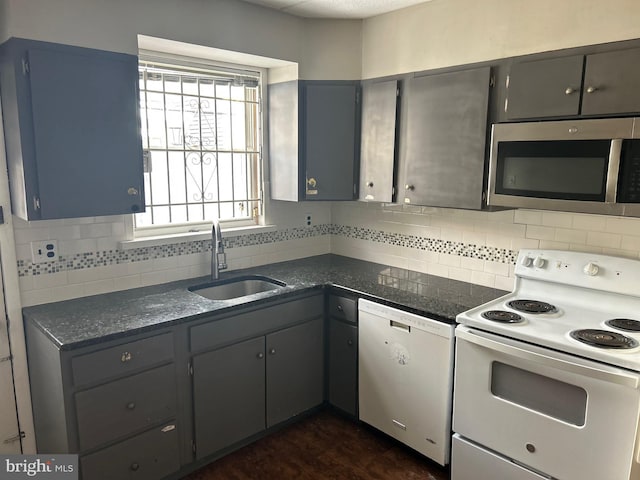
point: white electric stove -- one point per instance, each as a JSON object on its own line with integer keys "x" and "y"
{"x": 550, "y": 373}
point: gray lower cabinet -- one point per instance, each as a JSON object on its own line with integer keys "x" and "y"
{"x": 443, "y": 140}
{"x": 266, "y": 367}
{"x": 113, "y": 403}
{"x": 602, "y": 83}
{"x": 72, "y": 130}
{"x": 343, "y": 354}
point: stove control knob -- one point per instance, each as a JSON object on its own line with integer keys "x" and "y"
{"x": 539, "y": 262}
{"x": 591, "y": 269}
{"x": 526, "y": 261}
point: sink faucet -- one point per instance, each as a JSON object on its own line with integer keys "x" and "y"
{"x": 218, "y": 257}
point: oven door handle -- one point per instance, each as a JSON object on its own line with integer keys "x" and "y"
{"x": 603, "y": 372}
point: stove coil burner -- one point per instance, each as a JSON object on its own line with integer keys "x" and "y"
{"x": 625, "y": 324}
{"x": 502, "y": 316}
{"x": 604, "y": 339}
{"x": 532, "y": 306}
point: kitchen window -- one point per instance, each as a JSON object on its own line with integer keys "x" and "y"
{"x": 202, "y": 135}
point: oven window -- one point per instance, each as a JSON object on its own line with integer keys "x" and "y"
{"x": 567, "y": 170}
{"x": 543, "y": 394}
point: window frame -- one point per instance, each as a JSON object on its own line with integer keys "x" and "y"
{"x": 170, "y": 60}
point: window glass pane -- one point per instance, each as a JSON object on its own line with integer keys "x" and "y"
{"x": 251, "y": 94}
{"x": 222, "y": 89}
{"x": 159, "y": 178}
{"x": 208, "y": 124}
{"x": 172, "y": 83}
{"x": 191, "y": 121}
{"x": 156, "y": 119}
{"x": 225, "y": 168}
{"x": 174, "y": 120}
{"x": 189, "y": 85}
{"x": 223, "y": 110}
{"x": 207, "y": 87}
{"x": 161, "y": 215}
{"x": 194, "y": 177}
{"x": 237, "y": 92}
{"x": 238, "y": 132}
{"x": 154, "y": 81}
{"x": 226, "y": 210}
{"x": 240, "y": 177}
{"x": 251, "y": 128}
{"x": 177, "y": 180}
{"x": 210, "y": 177}
{"x": 195, "y": 213}
{"x": 178, "y": 213}
{"x": 211, "y": 211}
{"x": 143, "y": 121}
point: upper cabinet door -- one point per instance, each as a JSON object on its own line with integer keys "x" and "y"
{"x": 78, "y": 151}
{"x": 612, "y": 83}
{"x": 443, "y": 142}
{"x": 545, "y": 88}
{"x": 378, "y": 141}
{"x": 331, "y": 126}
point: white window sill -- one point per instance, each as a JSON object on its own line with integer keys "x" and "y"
{"x": 174, "y": 238}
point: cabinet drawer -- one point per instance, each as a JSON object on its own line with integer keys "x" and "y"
{"x": 149, "y": 456}
{"x": 121, "y": 359}
{"x": 217, "y": 333}
{"x": 115, "y": 409}
{"x": 343, "y": 308}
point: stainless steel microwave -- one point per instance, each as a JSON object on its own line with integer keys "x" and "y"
{"x": 590, "y": 166}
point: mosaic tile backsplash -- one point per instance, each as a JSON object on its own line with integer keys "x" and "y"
{"x": 117, "y": 257}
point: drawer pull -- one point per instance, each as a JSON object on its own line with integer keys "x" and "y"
{"x": 350, "y": 342}
{"x": 340, "y": 309}
{"x": 260, "y": 355}
{"x": 272, "y": 351}
{"x": 131, "y": 405}
{"x": 135, "y": 466}
{"x": 168, "y": 428}
{"x": 126, "y": 357}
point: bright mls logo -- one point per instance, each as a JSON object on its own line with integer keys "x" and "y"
{"x": 50, "y": 467}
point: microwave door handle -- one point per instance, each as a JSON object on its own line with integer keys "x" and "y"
{"x": 612, "y": 172}
{"x": 617, "y": 376}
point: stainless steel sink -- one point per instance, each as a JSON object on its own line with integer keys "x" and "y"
{"x": 237, "y": 287}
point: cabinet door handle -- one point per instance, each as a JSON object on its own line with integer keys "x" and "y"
{"x": 409, "y": 187}
{"x": 260, "y": 355}
{"x": 126, "y": 357}
{"x": 570, "y": 90}
{"x": 591, "y": 89}
{"x": 340, "y": 308}
{"x": 132, "y": 191}
{"x": 370, "y": 184}
{"x": 272, "y": 351}
{"x": 350, "y": 342}
{"x": 134, "y": 466}
{"x": 131, "y": 405}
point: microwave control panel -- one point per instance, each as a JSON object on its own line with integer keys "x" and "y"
{"x": 629, "y": 177}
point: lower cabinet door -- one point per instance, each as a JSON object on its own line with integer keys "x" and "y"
{"x": 148, "y": 456}
{"x": 229, "y": 395}
{"x": 295, "y": 373}
{"x": 343, "y": 366}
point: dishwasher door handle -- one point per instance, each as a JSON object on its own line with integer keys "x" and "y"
{"x": 400, "y": 326}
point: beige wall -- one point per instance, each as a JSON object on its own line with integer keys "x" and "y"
{"x": 324, "y": 49}
{"x": 444, "y": 33}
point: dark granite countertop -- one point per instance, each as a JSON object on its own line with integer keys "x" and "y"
{"x": 83, "y": 321}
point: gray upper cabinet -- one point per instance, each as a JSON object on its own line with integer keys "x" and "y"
{"x": 545, "y": 88}
{"x": 611, "y": 83}
{"x": 378, "y": 141}
{"x": 72, "y": 130}
{"x": 443, "y": 140}
{"x": 314, "y": 140}
{"x": 596, "y": 84}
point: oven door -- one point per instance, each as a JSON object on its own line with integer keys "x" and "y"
{"x": 565, "y": 416}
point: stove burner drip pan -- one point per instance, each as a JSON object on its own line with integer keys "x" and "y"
{"x": 502, "y": 316}
{"x": 625, "y": 324}
{"x": 603, "y": 339}
{"x": 532, "y": 306}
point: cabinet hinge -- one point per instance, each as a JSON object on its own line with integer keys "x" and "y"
{"x": 15, "y": 438}
{"x": 492, "y": 81}
{"x": 397, "y": 91}
{"x": 25, "y": 66}
{"x": 190, "y": 368}
{"x": 193, "y": 447}
{"x": 357, "y": 97}
{"x": 354, "y": 189}
{"x": 6, "y": 359}
{"x": 36, "y": 203}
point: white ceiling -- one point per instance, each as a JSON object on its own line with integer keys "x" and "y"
{"x": 352, "y": 9}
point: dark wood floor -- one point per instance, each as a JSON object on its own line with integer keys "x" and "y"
{"x": 323, "y": 446}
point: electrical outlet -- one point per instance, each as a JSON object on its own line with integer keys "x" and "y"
{"x": 44, "y": 251}
{"x": 307, "y": 219}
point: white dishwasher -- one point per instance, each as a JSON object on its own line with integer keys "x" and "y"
{"x": 405, "y": 366}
